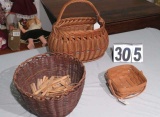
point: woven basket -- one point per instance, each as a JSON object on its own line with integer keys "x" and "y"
{"x": 76, "y": 36}
{"x": 50, "y": 64}
{"x": 125, "y": 81}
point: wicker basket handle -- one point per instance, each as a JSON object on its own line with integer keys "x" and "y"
{"x": 78, "y": 1}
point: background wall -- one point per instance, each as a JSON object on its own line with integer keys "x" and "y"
{"x": 43, "y": 16}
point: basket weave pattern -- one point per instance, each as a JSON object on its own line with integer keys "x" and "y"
{"x": 125, "y": 81}
{"x": 76, "y": 36}
{"x": 50, "y": 64}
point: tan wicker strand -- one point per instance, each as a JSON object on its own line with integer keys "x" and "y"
{"x": 125, "y": 81}
{"x": 57, "y": 85}
{"x": 77, "y": 37}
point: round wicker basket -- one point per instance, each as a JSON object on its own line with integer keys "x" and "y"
{"x": 50, "y": 64}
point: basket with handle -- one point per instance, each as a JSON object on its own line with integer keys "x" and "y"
{"x": 125, "y": 81}
{"x": 76, "y": 35}
{"x": 50, "y": 64}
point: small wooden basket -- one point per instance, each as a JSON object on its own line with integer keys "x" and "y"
{"x": 76, "y": 35}
{"x": 125, "y": 81}
{"x": 50, "y": 64}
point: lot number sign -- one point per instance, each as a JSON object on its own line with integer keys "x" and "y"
{"x": 128, "y": 53}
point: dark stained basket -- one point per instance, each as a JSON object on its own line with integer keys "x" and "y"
{"x": 50, "y": 64}
{"x": 125, "y": 81}
{"x": 76, "y": 35}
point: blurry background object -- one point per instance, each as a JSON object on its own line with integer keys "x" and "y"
{"x": 3, "y": 32}
{"x": 151, "y": 1}
{"x": 3, "y": 39}
{"x": 157, "y": 2}
{"x": 6, "y": 6}
{"x": 24, "y": 8}
{"x": 20, "y": 10}
{"x": 2, "y": 17}
{"x": 34, "y": 33}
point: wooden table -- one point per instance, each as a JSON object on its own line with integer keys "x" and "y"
{"x": 22, "y": 48}
{"x": 119, "y": 16}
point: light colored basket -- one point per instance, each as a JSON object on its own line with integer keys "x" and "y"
{"x": 125, "y": 81}
{"x": 76, "y": 36}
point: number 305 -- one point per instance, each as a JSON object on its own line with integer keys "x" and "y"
{"x": 128, "y": 53}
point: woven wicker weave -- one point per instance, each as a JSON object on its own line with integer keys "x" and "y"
{"x": 76, "y": 36}
{"x": 50, "y": 64}
{"x": 125, "y": 81}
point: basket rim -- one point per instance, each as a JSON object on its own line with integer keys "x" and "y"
{"x": 129, "y": 66}
{"x": 108, "y": 77}
{"x": 59, "y": 24}
{"x": 30, "y": 95}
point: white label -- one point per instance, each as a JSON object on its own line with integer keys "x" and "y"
{"x": 16, "y": 33}
{"x": 128, "y": 53}
{"x": 96, "y": 26}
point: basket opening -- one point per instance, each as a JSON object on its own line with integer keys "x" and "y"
{"x": 126, "y": 77}
{"x": 47, "y": 66}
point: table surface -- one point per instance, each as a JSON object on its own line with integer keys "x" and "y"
{"x": 119, "y": 16}
{"x": 96, "y": 99}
